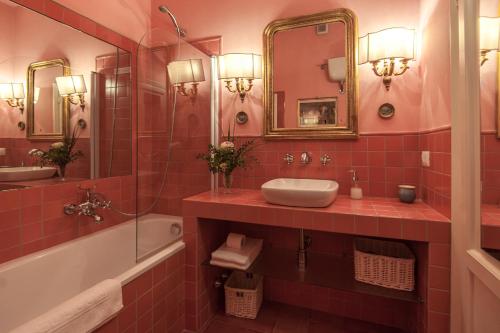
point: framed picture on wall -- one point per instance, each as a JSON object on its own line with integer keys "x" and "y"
{"x": 317, "y": 112}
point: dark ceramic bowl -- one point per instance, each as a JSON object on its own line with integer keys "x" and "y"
{"x": 407, "y": 193}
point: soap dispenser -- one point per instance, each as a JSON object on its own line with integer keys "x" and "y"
{"x": 356, "y": 191}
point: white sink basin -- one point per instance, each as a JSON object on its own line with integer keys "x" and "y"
{"x": 300, "y": 192}
{"x": 25, "y": 173}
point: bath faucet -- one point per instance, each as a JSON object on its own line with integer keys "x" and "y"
{"x": 325, "y": 159}
{"x": 288, "y": 158}
{"x": 92, "y": 201}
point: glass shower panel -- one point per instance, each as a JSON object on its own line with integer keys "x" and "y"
{"x": 172, "y": 129}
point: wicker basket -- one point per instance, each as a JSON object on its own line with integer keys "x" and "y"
{"x": 384, "y": 263}
{"x": 243, "y": 293}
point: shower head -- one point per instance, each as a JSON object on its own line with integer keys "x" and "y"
{"x": 165, "y": 10}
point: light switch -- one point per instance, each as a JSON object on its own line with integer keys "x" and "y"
{"x": 426, "y": 158}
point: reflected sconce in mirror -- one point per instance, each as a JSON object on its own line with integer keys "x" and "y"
{"x": 182, "y": 72}
{"x": 388, "y": 51}
{"x": 73, "y": 87}
{"x": 36, "y": 95}
{"x": 489, "y": 34}
{"x": 239, "y": 70}
{"x": 13, "y": 94}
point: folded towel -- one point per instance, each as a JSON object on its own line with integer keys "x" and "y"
{"x": 242, "y": 257}
{"x": 82, "y": 313}
{"x": 235, "y": 241}
{"x": 230, "y": 265}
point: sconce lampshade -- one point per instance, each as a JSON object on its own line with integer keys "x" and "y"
{"x": 36, "y": 95}
{"x": 68, "y": 85}
{"x": 240, "y": 65}
{"x": 489, "y": 33}
{"x": 396, "y": 43}
{"x": 185, "y": 71}
{"x": 11, "y": 91}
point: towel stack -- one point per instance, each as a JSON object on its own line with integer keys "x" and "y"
{"x": 238, "y": 252}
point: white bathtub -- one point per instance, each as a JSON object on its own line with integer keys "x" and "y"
{"x": 34, "y": 284}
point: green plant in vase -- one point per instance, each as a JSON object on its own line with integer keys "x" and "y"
{"x": 60, "y": 154}
{"x": 227, "y": 157}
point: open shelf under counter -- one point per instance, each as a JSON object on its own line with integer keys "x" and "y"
{"x": 322, "y": 270}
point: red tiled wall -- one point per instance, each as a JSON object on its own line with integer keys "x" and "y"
{"x": 436, "y": 180}
{"x": 153, "y": 302}
{"x": 33, "y": 219}
{"x": 490, "y": 168}
{"x": 381, "y": 161}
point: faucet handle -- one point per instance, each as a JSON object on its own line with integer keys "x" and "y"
{"x": 325, "y": 159}
{"x": 288, "y": 158}
{"x": 305, "y": 158}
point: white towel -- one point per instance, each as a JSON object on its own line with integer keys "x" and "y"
{"x": 230, "y": 265}
{"x": 243, "y": 257}
{"x": 235, "y": 241}
{"x": 82, "y": 313}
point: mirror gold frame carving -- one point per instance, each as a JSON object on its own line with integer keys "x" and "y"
{"x": 343, "y": 15}
{"x": 30, "y": 107}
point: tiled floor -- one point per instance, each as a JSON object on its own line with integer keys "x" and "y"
{"x": 281, "y": 318}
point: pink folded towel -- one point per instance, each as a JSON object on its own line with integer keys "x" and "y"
{"x": 239, "y": 259}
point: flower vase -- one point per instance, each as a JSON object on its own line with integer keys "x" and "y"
{"x": 227, "y": 181}
{"x": 61, "y": 171}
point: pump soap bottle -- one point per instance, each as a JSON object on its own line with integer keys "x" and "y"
{"x": 356, "y": 191}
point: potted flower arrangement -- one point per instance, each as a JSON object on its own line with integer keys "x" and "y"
{"x": 60, "y": 154}
{"x": 227, "y": 157}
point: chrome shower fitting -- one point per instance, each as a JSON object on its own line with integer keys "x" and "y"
{"x": 164, "y": 9}
{"x": 92, "y": 201}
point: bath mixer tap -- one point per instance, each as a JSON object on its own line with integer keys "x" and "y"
{"x": 92, "y": 202}
{"x": 305, "y": 158}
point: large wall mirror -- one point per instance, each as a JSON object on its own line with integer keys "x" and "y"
{"x": 314, "y": 93}
{"x": 55, "y": 81}
{"x": 490, "y": 129}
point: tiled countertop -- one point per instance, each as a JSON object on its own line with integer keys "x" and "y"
{"x": 383, "y": 217}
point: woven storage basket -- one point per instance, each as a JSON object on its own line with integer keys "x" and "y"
{"x": 243, "y": 293}
{"x": 384, "y": 263}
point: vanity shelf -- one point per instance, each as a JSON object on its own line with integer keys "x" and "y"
{"x": 322, "y": 270}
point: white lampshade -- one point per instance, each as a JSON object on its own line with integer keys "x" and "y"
{"x": 240, "y": 65}
{"x": 36, "y": 95}
{"x": 68, "y": 85}
{"x": 489, "y": 33}
{"x": 387, "y": 43}
{"x": 186, "y": 71}
{"x": 337, "y": 69}
{"x": 11, "y": 91}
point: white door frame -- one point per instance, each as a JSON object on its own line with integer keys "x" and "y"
{"x": 469, "y": 261}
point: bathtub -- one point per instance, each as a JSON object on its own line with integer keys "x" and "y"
{"x": 34, "y": 284}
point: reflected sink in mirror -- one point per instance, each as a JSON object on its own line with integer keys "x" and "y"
{"x": 300, "y": 192}
{"x": 15, "y": 174}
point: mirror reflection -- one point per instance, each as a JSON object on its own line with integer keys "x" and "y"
{"x": 57, "y": 86}
{"x": 307, "y": 86}
{"x": 490, "y": 138}
{"x": 312, "y": 93}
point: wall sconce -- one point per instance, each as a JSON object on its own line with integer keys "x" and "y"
{"x": 13, "y": 94}
{"x": 73, "y": 87}
{"x": 489, "y": 33}
{"x": 242, "y": 69}
{"x": 389, "y": 52}
{"x": 181, "y": 72}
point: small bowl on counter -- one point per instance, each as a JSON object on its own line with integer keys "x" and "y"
{"x": 407, "y": 193}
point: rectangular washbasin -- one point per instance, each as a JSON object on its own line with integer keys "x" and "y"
{"x": 300, "y": 192}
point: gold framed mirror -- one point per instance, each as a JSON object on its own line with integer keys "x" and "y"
{"x": 48, "y": 113}
{"x": 310, "y": 77}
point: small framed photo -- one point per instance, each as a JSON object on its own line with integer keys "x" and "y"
{"x": 317, "y": 112}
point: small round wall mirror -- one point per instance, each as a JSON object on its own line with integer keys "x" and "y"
{"x": 386, "y": 111}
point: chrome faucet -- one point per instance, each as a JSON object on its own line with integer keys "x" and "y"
{"x": 325, "y": 159}
{"x": 92, "y": 201}
{"x": 288, "y": 158}
{"x": 305, "y": 158}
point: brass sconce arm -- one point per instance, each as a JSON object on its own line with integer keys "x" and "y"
{"x": 242, "y": 87}
{"x": 484, "y": 56}
{"x": 183, "y": 91}
{"x": 386, "y": 68}
{"x": 16, "y": 103}
{"x": 77, "y": 99}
